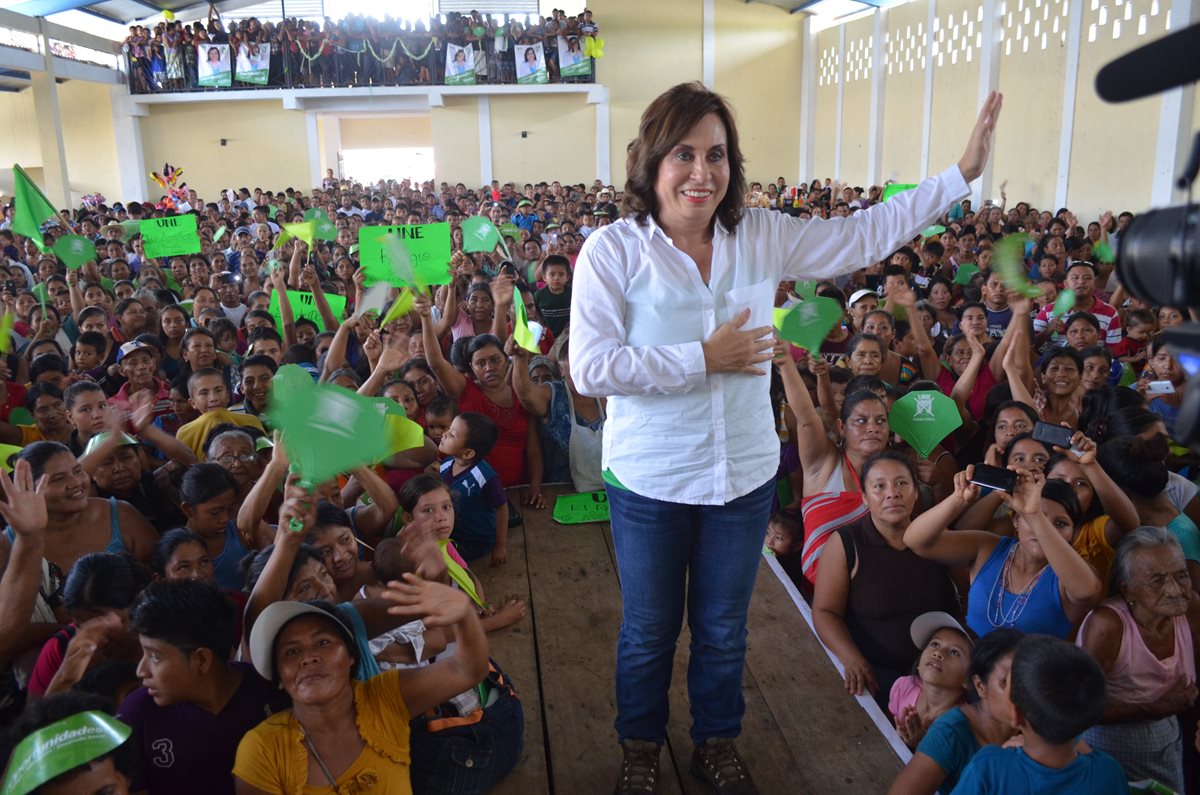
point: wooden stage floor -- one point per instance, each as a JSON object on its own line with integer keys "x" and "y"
{"x": 802, "y": 733}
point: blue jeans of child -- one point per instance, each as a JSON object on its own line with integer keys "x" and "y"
{"x": 669, "y": 555}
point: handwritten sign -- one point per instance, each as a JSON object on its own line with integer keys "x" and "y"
{"x": 166, "y": 237}
{"x": 427, "y": 247}
{"x": 304, "y": 306}
{"x": 590, "y": 506}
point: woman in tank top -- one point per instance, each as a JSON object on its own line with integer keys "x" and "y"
{"x": 1144, "y": 638}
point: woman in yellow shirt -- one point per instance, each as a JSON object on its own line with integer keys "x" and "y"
{"x": 343, "y": 736}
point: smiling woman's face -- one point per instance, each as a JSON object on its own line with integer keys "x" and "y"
{"x": 312, "y": 661}
{"x": 694, "y": 175}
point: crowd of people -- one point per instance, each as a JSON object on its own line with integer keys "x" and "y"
{"x": 357, "y": 51}
{"x": 162, "y": 565}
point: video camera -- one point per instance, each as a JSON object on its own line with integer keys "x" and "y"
{"x": 1158, "y": 259}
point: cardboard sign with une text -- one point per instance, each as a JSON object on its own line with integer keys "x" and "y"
{"x": 167, "y": 237}
{"x": 304, "y": 305}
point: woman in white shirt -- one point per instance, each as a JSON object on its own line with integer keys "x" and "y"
{"x": 671, "y": 321}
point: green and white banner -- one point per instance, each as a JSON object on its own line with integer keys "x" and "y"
{"x": 253, "y": 63}
{"x": 531, "y": 63}
{"x": 571, "y": 60}
{"x": 71, "y": 742}
{"x": 460, "y": 65}
{"x": 213, "y": 66}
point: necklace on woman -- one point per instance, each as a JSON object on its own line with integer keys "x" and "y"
{"x": 997, "y": 615}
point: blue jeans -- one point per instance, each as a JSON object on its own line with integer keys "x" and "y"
{"x": 707, "y": 555}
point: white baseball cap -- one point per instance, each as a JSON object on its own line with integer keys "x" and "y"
{"x": 272, "y": 621}
{"x": 858, "y": 295}
{"x": 923, "y": 627}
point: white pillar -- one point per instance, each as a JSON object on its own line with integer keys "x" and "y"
{"x": 1066, "y": 135}
{"x": 878, "y": 81}
{"x": 927, "y": 101}
{"x": 708, "y": 47}
{"x": 331, "y": 145}
{"x": 131, "y": 159}
{"x": 485, "y": 140}
{"x": 315, "y": 174}
{"x": 603, "y": 142}
{"x": 1174, "y": 120}
{"x": 49, "y": 123}
{"x": 989, "y": 80}
{"x": 841, "y": 85}
{"x": 808, "y": 101}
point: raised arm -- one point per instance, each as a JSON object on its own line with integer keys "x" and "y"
{"x": 1078, "y": 582}
{"x": 373, "y": 519}
{"x": 25, "y": 510}
{"x": 285, "y": 305}
{"x": 271, "y": 587}
{"x": 250, "y": 522}
{"x": 817, "y": 453}
{"x": 534, "y": 397}
{"x": 929, "y": 538}
{"x": 310, "y": 279}
{"x": 453, "y": 382}
{"x": 927, "y": 355}
{"x": 1016, "y": 336}
{"x": 1122, "y": 516}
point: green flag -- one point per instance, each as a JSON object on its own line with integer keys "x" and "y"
{"x": 923, "y": 419}
{"x": 302, "y": 231}
{"x": 479, "y": 234}
{"x": 894, "y": 188}
{"x": 329, "y": 430}
{"x": 806, "y": 289}
{"x": 32, "y": 208}
{"x": 400, "y": 307}
{"x": 526, "y": 334}
{"x": 1008, "y": 260}
{"x": 932, "y": 231}
{"x": 1063, "y": 304}
{"x": 6, "y": 327}
{"x": 1104, "y": 252}
{"x": 62, "y": 746}
{"x": 74, "y": 250}
{"x": 323, "y": 228}
{"x": 965, "y": 272}
{"x": 806, "y": 324}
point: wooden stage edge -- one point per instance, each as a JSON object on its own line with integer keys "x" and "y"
{"x": 801, "y": 733}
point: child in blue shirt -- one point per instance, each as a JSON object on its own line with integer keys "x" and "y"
{"x": 481, "y": 517}
{"x": 1057, "y": 691}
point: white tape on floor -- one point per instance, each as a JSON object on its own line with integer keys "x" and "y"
{"x": 881, "y": 721}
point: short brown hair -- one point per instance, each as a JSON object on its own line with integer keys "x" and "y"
{"x": 664, "y": 123}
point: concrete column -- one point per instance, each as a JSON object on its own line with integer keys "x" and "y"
{"x": 808, "y": 102}
{"x": 1066, "y": 133}
{"x": 312, "y": 132}
{"x": 989, "y": 80}
{"x": 131, "y": 159}
{"x": 878, "y": 83}
{"x": 1174, "y": 121}
{"x": 331, "y": 131}
{"x": 49, "y": 122}
{"x": 485, "y": 140}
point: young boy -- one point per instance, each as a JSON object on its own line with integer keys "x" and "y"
{"x": 208, "y": 395}
{"x": 194, "y": 705}
{"x": 438, "y": 416}
{"x": 554, "y": 300}
{"x": 785, "y": 537}
{"x": 88, "y": 354}
{"x": 481, "y": 518}
{"x": 1139, "y": 325}
{"x": 1057, "y": 691}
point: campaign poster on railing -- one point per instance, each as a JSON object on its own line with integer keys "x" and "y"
{"x": 213, "y": 66}
{"x": 460, "y": 65}
{"x": 531, "y": 63}
{"x": 253, "y": 63}
{"x": 571, "y": 62}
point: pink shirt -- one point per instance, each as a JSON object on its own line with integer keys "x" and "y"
{"x": 905, "y": 692}
{"x": 1137, "y": 676}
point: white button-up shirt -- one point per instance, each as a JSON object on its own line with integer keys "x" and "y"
{"x": 639, "y": 312}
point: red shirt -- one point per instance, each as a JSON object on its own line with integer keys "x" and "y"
{"x": 508, "y": 456}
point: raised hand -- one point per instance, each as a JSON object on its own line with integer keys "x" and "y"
{"x": 979, "y": 145}
{"x": 24, "y": 507}
{"x": 435, "y": 604}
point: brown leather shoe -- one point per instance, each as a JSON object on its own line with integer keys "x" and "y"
{"x": 717, "y": 762}
{"x": 639, "y": 768}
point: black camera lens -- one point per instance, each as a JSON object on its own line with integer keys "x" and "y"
{"x": 1159, "y": 257}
